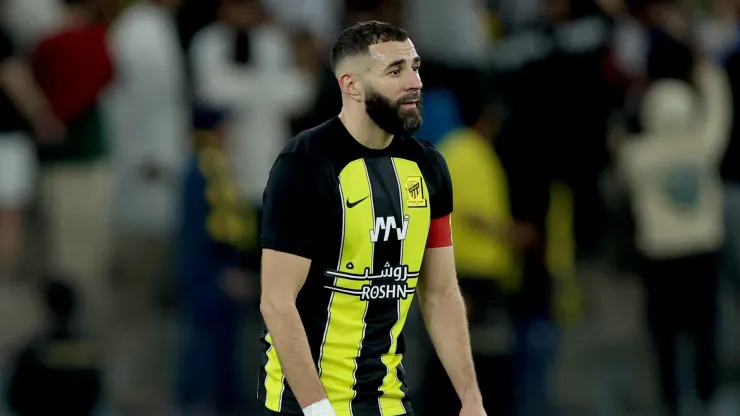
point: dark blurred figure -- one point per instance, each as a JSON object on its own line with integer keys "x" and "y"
{"x": 24, "y": 112}
{"x": 215, "y": 233}
{"x": 672, "y": 168}
{"x": 558, "y": 96}
{"x": 72, "y": 66}
{"x": 58, "y": 374}
{"x": 486, "y": 240}
{"x": 562, "y": 88}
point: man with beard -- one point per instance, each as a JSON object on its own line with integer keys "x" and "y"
{"x": 356, "y": 222}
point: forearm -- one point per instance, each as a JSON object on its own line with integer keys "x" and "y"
{"x": 17, "y": 82}
{"x": 446, "y": 321}
{"x": 291, "y": 344}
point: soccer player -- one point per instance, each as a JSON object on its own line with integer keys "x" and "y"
{"x": 356, "y": 222}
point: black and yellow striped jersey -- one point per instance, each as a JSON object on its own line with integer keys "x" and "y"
{"x": 363, "y": 217}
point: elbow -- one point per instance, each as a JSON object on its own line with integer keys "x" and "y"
{"x": 273, "y": 306}
{"x": 267, "y": 308}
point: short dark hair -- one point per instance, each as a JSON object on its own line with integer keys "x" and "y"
{"x": 357, "y": 39}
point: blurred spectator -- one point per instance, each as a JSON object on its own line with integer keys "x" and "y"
{"x": 76, "y": 189}
{"x": 57, "y": 373}
{"x": 320, "y": 18}
{"x": 148, "y": 118}
{"x": 486, "y": 239}
{"x": 23, "y": 108}
{"x": 214, "y": 234}
{"x": 557, "y": 82}
{"x": 244, "y": 63}
{"x": 672, "y": 170}
{"x": 453, "y": 40}
{"x": 148, "y": 123}
{"x": 555, "y": 79}
{"x": 449, "y": 33}
{"x": 30, "y": 20}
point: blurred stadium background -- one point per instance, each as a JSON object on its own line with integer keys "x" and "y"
{"x": 592, "y": 146}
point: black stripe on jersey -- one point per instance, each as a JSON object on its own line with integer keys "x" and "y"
{"x": 401, "y": 349}
{"x": 381, "y": 315}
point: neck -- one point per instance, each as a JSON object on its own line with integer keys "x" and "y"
{"x": 364, "y": 129}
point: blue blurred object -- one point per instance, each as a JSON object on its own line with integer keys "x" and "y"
{"x": 207, "y": 370}
{"x": 441, "y": 115}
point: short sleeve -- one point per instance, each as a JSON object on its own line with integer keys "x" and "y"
{"x": 441, "y": 191}
{"x": 291, "y": 208}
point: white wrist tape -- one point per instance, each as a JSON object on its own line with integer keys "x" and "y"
{"x": 321, "y": 408}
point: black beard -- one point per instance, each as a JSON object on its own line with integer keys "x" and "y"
{"x": 388, "y": 114}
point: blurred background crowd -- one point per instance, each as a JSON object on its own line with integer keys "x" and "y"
{"x": 592, "y": 148}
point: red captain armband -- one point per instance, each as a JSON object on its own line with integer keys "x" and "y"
{"x": 440, "y": 233}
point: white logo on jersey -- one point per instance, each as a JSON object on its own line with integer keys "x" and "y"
{"x": 387, "y": 224}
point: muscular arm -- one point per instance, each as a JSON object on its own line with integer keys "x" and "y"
{"x": 442, "y": 305}
{"x": 444, "y": 314}
{"x": 288, "y": 240}
{"x": 283, "y": 276}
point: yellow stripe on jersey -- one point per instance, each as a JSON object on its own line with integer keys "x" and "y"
{"x": 412, "y": 255}
{"x": 346, "y": 322}
{"x": 275, "y": 380}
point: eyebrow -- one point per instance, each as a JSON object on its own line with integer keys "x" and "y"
{"x": 399, "y": 62}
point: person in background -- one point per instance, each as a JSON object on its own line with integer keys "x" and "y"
{"x": 25, "y": 115}
{"x": 214, "y": 234}
{"x": 244, "y": 63}
{"x": 672, "y": 172}
{"x": 487, "y": 240}
{"x": 319, "y": 18}
{"x": 149, "y": 126}
{"x": 23, "y": 110}
{"x": 59, "y": 372}
{"x": 75, "y": 175}
{"x": 147, "y": 116}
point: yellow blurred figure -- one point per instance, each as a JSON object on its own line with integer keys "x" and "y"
{"x": 487, "y": 239}
{"x": 560, "y": 254}
{"x": 482, "y": 218}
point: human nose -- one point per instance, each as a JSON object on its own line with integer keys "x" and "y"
{"x": 414, "y": 81}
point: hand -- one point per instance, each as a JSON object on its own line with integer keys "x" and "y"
{"x": 47, "y": 128}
